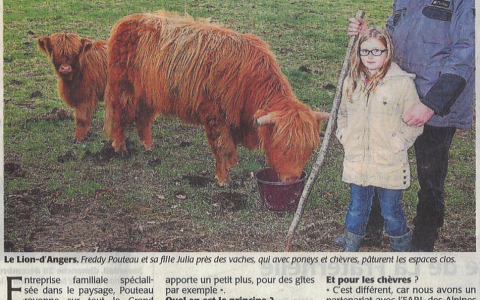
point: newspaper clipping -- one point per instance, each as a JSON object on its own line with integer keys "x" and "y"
{"x": 239, "y": 150}
{"x": 240, "y": 276}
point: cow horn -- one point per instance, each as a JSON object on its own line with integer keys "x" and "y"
{"x": 265, "y": 120}
{"x": 320, "y": 115}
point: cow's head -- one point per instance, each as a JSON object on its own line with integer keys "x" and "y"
{"x": 64, "y": 51}
{"x": 289, "y": 138}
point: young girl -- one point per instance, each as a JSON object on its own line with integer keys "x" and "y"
{"x": 376, "y": 94}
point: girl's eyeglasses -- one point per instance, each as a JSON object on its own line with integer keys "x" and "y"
{"x": 375, "y": 52}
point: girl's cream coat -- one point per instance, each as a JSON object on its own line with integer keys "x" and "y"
{"x": 375, "y": 138}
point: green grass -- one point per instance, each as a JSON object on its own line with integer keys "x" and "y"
{"x": 302, "y": 34}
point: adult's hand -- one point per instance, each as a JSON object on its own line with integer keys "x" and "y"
{"x": 418, "y": 115}
{"x": 356, "y": 26}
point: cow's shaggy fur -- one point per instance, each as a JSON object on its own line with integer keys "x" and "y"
{"x": 81, "y": 67}
{"x": 207, "y": 75}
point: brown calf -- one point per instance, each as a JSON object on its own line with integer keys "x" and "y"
{"x": 81, "y": 67}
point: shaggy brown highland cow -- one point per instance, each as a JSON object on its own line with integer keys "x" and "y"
{"x": 207, "y": 75}
{"x": 81, "y": 67}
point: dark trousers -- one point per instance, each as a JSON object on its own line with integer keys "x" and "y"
{"x": 431, "y": 151}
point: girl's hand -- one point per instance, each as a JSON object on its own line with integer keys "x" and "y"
{"x": 356, "y": 26}
{"x": 418, "y": 115}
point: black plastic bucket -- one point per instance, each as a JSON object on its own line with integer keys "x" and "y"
{"x": 277, "y": 195}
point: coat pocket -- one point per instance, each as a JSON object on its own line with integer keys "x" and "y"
{"x": 437, "y": 13}
{"x": 354, "y": 155}
{"x": 353, "y": 144}
{"x": 387, "y": 157}
{"x": 398, "y": 14}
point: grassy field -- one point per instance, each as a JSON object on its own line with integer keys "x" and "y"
{"x": 62, "y": 196}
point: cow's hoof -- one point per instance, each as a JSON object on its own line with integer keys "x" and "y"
{"x": 224, "y": 182}
{"x": 79, "y": 137}
{"x": 119, "y": 147}
{"x": 148, "y": 146}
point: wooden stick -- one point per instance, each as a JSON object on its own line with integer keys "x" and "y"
{"x": 323, "y": 150}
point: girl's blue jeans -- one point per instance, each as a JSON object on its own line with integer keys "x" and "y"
{"x": 361, "y": 203}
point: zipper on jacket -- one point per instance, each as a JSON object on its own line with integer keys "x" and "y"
{"x": 366, "y": 134}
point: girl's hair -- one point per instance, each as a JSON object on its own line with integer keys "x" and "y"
{"x": 357, "y": 68}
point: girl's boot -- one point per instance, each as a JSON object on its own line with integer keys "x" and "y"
{"x": 352, "y": 242}
{"x": 401, "y": 243}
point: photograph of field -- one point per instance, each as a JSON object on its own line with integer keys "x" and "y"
{"x": 64, "y": 192}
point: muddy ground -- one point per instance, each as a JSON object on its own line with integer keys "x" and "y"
{"x": 231, "y": 219}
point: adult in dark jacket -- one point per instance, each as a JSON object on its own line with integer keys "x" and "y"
{"x": 434, "y": 39}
